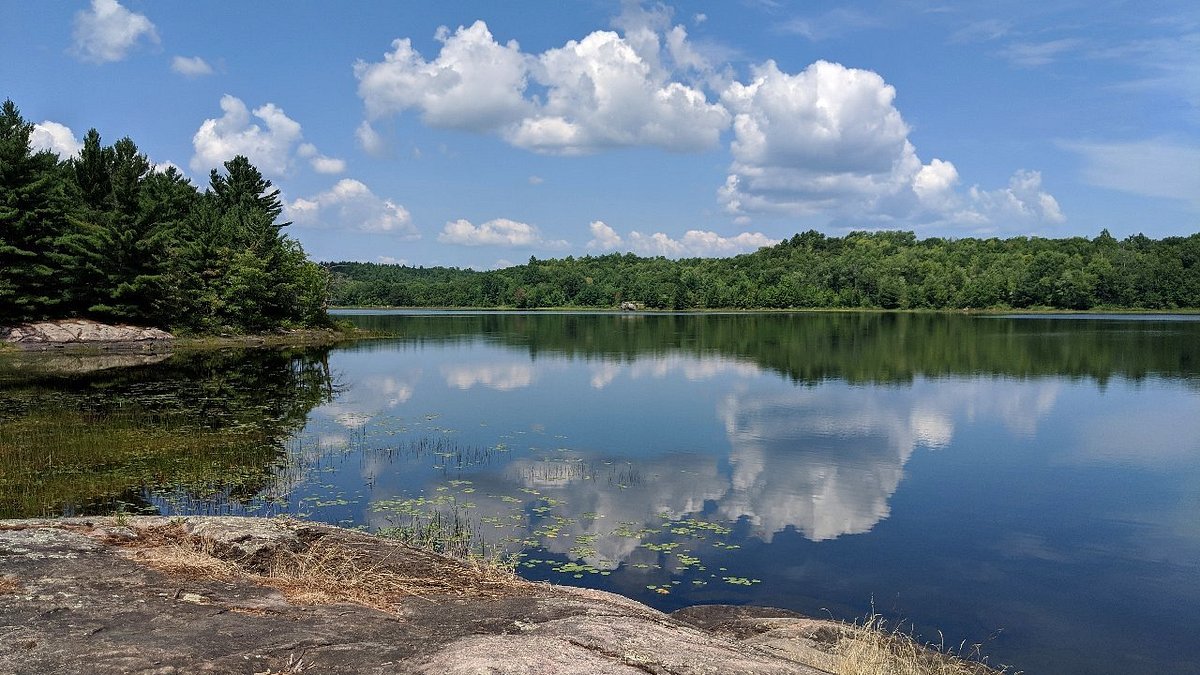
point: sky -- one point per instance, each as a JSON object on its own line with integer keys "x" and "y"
{"x": 478, "y": 134}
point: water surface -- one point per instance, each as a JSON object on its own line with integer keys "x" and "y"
{"x": 1030, "y": 483}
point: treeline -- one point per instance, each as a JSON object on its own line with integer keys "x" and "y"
{"x": 889, "y": 270}
{"x": 106, "y": 236}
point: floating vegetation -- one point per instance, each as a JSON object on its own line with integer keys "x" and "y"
{"x": 741, "y": 581}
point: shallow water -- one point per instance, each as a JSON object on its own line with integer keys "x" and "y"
{"x": 1029, "y": 483}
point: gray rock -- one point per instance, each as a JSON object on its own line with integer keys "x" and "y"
{"x": 79, "y": 332}
{"x": 94, "y": 595}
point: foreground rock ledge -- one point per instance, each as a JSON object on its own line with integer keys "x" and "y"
{"x": 246, "y": 595}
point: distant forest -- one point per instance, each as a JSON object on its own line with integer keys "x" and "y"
{"x": 106, "y": 236}
{"x": 888, "y": 270}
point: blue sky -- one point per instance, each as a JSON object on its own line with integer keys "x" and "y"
{"x": 480, "y": 133}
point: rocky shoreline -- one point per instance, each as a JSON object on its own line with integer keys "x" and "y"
{"x": 246, "y": 595}
{"x": 83, "y": 337}
{"x": 45, "y": 335}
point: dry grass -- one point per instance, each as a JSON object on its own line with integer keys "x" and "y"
{"x": 292, "y": 667}
{"x": 9, "y": 584}
{"x": 870, "y": 648}
{"x": 372, "y": 574}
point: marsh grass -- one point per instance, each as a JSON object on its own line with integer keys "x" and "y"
{"x": 62, "y": 461}
{"x": 870, "y": 647}
{"x": 452, "y": 533}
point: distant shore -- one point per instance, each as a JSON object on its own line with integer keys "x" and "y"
{"x": 773, "y": 310}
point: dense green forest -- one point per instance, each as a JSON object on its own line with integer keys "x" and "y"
{"x": 890, "y": 270}
{"x": 106, "y": 236}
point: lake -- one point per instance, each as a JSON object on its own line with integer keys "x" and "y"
{"x": 1029, "y": 483}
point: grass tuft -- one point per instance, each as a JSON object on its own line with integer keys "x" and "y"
{"x": 871, "y": 648}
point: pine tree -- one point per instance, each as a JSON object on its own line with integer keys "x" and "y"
{"x": 92, "y": 171}
{"x": 32, "y": 221}
{"x": 117, "y": 252}
{"x": 104, "y": 236}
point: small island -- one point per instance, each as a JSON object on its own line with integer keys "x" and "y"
{"x": 109, "y": 237}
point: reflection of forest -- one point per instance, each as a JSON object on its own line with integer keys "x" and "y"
{"x": 197, "y": 424}
{"x": 855, "y": 347}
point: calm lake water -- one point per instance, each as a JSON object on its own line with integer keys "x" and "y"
{"x": 1029, "y": 483}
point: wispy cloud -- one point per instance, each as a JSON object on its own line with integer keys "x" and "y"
{"x": 1034, "y": 54}
{"x": 832, "y": 24}
{"x": 981, "y": 31}
{"x": 1151, "y": 168}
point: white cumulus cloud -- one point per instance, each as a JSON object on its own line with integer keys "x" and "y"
{"x": 603, "y": 93}
{"x": 697, "y": 243}
{"x": 475, "y": 83}
{"x": 811, "y": 141}
{"x": 167, "y": 165}
{"x": 694, "y": 243}
{"x": 605, "y": 90}
{"x": 271, "y": 146}
{"x": 497, "y": 232}
{"x": 191, "y": 66}
{"x": 55, "y": 137}
{"x": 829, "y": 141}
{"x": 107, "y": 31}
{"x": 604, "y": 238}
{"x": 1022, "y": 202}
{"x": 934, "y": 183}
{"x": 351, "y": 205}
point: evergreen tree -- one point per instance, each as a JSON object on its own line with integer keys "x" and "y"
{"x": 104, "y": 236}
{"x": 93, "y": 171}
{"x": 32, "y": 221}
{"x": 118, "y": 251}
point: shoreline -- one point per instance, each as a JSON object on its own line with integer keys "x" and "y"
{"x": 337, "y": 334}
{"x": 1036, "y": 311}
{"x": 53, "y": 339}
{"x": 134, "y": 593}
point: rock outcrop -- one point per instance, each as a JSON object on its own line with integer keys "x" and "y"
{"x": 49, "y": 334}
{"x": 243, "y": 595}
